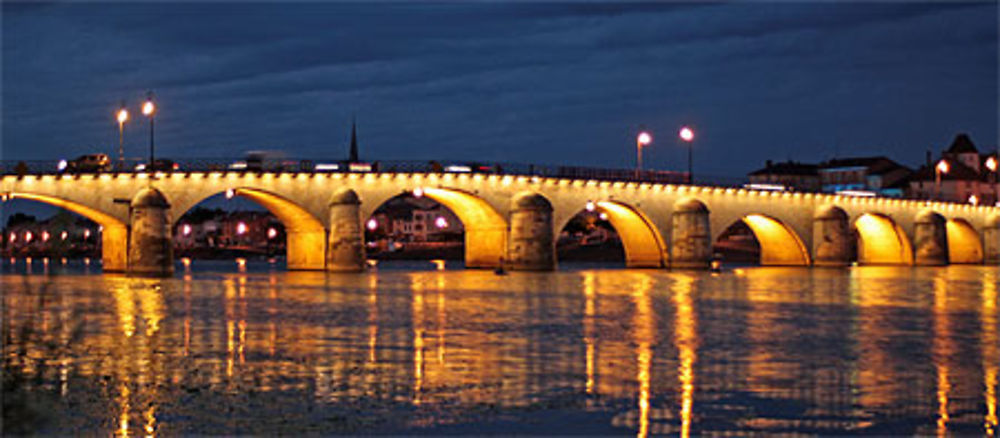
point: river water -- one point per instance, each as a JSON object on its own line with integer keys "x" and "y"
{"x": 865, "y": 350}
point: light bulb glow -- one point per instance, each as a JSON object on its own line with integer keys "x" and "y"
{"x": 943, "y": 166}
{"x": 122, "y": 116}
{"x": 441, "y": 222}
{"x": 272, "y": 233}
{"x": 686, "y": 134}
{"x": 991, "y": 163}
{"x": 186, "y": 229}
{"x": 644, "y": 138}
{"x": 372, "y": 224}
{"x": 241, "y": 228}
{"x": 148, "y": 108}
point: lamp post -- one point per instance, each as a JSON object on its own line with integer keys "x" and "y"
{"x": 641, "y": 140}
{"x": 687, "y": 135}
{"x": 149, "y": 110}
{"x": 122, "y": 118}
{"x": 941, "y": 168}
{"x": 991, "y": 164}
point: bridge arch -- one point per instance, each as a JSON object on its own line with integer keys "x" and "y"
{"x": 305, "y": 235}
{"x": 114, "y": 236}
{"x": 964, "y": 244}
{"x": 644, "y": 246}
{"x": 485, "y": 229}
{"x": 779, "y": 244}
{"x": 881, "y": 241}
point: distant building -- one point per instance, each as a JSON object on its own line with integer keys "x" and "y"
{"x": 414, "y": 220}
{"x": 790, "y": 174}
{"x": 966, "y": 176}
{"x": 878, "y": 175}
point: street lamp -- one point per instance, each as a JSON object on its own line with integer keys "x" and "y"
{"x": 122, "y": 118}
{"x": 991, "y": 164}
{"x": 687, "y": 135}
{"x": 149, "y": 110}
{"x": 941, "y": 168}
{"x": 641, "y": 140}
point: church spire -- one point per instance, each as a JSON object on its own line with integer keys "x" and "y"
{"x": 354, "y": 140}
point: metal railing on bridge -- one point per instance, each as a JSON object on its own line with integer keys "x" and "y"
{"x": 48, "y": 167}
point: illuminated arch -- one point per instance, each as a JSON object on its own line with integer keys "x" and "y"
{"x": 779, "y": 245}
{"x": 305, "y": 235}
{"x": 644, "y": 247}
{"x": 882, "y": 241}
{"x": 114, "y": 237}
{"x": 485, "y": 228}
{"x": 964, "y": 244}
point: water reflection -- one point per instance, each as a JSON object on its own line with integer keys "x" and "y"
{"x": 686, "y": 338}
{"x": 867, "y": 350}
{"x": 991, "y": 351}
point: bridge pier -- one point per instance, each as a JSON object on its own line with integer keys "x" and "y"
{"x": 930, "y": 239}
{"x": 831, "y": 240}
{"x": 991, "y": 241}
{"x": 690, "y": 236}
{"x": 345, "y": 251}
{"x": 150, "y": 247}
{"x": 531, "y": 245}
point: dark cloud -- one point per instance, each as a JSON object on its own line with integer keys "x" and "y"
{"x": 548, "y": 83}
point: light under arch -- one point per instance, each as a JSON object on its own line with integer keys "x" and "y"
{"x": 779, "y": 244}
{"x": 644, "y": 247}
{"x": 964, "y": 244}
{"x": 305, "y": 235}
{"x": 882, "y": 241}
{"x": 114, "y": 237}
{"x": 485, "y": 228}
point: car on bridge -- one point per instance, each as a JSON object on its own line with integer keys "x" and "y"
{"x": 159, "y": 165}
{"x": 86, "y": 163}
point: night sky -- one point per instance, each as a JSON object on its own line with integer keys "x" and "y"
{"x": 561, "y": 83}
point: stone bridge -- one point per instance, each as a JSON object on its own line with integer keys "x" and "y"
{"x": 515, "y": 219}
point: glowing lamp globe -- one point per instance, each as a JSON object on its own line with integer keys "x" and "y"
{"x": 943, "y": 166}
{"x": 686, "y": 134}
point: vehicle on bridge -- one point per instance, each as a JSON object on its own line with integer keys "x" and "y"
{"x": 159, "y": 165}
{"x": 86, "y": 163}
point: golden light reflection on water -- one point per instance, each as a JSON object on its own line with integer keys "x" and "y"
{"x": 418, "y": 340}
{"x": 991, "y": 351}
{"x": 644, "y": 323}
{"x": 942, "y": 350}
{"x": 372, "y": 318}
{"x": 589, "y": 294}
{"x": 686, "y": 339}
{"x": 446, "y": 343}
